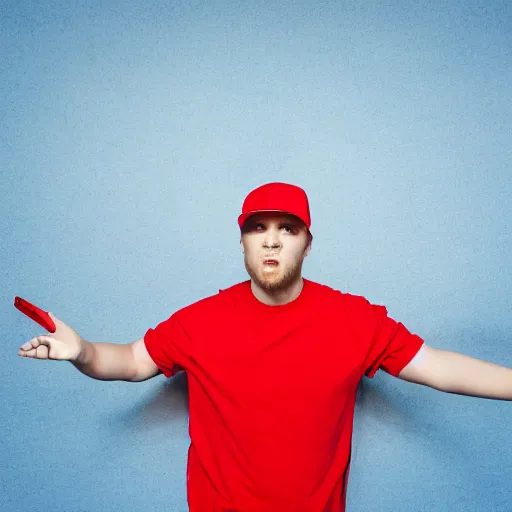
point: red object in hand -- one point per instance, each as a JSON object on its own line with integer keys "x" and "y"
{"x": 37, "y": 314}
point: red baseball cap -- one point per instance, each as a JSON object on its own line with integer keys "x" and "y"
{"x": 276, "y": 197}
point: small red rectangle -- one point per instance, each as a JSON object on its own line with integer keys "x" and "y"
{"x": 37, "y": 314}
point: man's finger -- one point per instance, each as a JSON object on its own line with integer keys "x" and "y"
{"x": 27, "y": 353}
{"x": 41, "y": 340}
{"x": 42, "y": 352}
{"x": 35, "y": 342}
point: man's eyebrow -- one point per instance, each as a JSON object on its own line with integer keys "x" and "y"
{"x": 290, "y": 220}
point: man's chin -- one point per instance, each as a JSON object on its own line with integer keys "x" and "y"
{"x": 275, "y": 282}
{"x": 279, "y": 279}
{"x": 271, "y": 284}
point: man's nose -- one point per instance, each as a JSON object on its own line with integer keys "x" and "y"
{"x": 271, "y": 239}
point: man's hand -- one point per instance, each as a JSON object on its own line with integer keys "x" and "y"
{"x": 64, "y": 344}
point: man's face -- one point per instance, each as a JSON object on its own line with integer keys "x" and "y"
{"x": 275, "y": 246}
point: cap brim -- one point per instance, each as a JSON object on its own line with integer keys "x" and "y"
{"x": 244, "y": 216}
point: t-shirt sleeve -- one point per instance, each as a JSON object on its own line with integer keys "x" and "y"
{"x": 392, "y": 346}
{"x": 168, "y": 344}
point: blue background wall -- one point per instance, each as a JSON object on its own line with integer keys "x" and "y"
{"x": 130, "y": 135}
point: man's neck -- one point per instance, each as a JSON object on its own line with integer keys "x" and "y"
{"x": 278, "y": 297}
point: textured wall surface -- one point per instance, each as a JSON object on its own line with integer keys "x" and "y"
{"x": 130, "y": 135}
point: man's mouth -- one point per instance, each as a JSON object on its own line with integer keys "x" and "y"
{"x": 270, "y": 262}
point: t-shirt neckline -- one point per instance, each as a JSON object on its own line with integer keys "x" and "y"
{"x": 256, "y": 303}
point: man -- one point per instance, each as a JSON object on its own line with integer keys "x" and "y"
{"x": 273, "y": 366}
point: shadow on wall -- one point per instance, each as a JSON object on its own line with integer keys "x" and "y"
{"x": 420, "y": 414}
{"x": 167, "y": 405}
{"x": 426, "y": 425}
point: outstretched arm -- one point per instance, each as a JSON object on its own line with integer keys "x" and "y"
{"x": 452, "y": 372}
{"x": 102, "y": 361}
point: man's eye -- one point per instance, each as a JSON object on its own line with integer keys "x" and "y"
{"x": 259, "y": 226}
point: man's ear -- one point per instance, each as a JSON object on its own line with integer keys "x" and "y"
{"x": 308, "y": 247}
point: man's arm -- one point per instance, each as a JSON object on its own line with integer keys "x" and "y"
{"x": 452, "y": 372}
{"x": 101, "y": 361}
{"x": 108, "y": 361}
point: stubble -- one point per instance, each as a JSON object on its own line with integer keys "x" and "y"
{"x": 276, "y": 280}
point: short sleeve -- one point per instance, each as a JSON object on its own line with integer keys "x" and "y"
{"x": 168, "y": 345}
{"x": 392, "y": 346}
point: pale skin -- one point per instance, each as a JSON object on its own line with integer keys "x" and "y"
{"x": 283, "y": 238}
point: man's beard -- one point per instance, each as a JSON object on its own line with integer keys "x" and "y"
{"x": 274, "y": 281}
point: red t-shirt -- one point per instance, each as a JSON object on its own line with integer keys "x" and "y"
{"x": 272, "y": 391}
